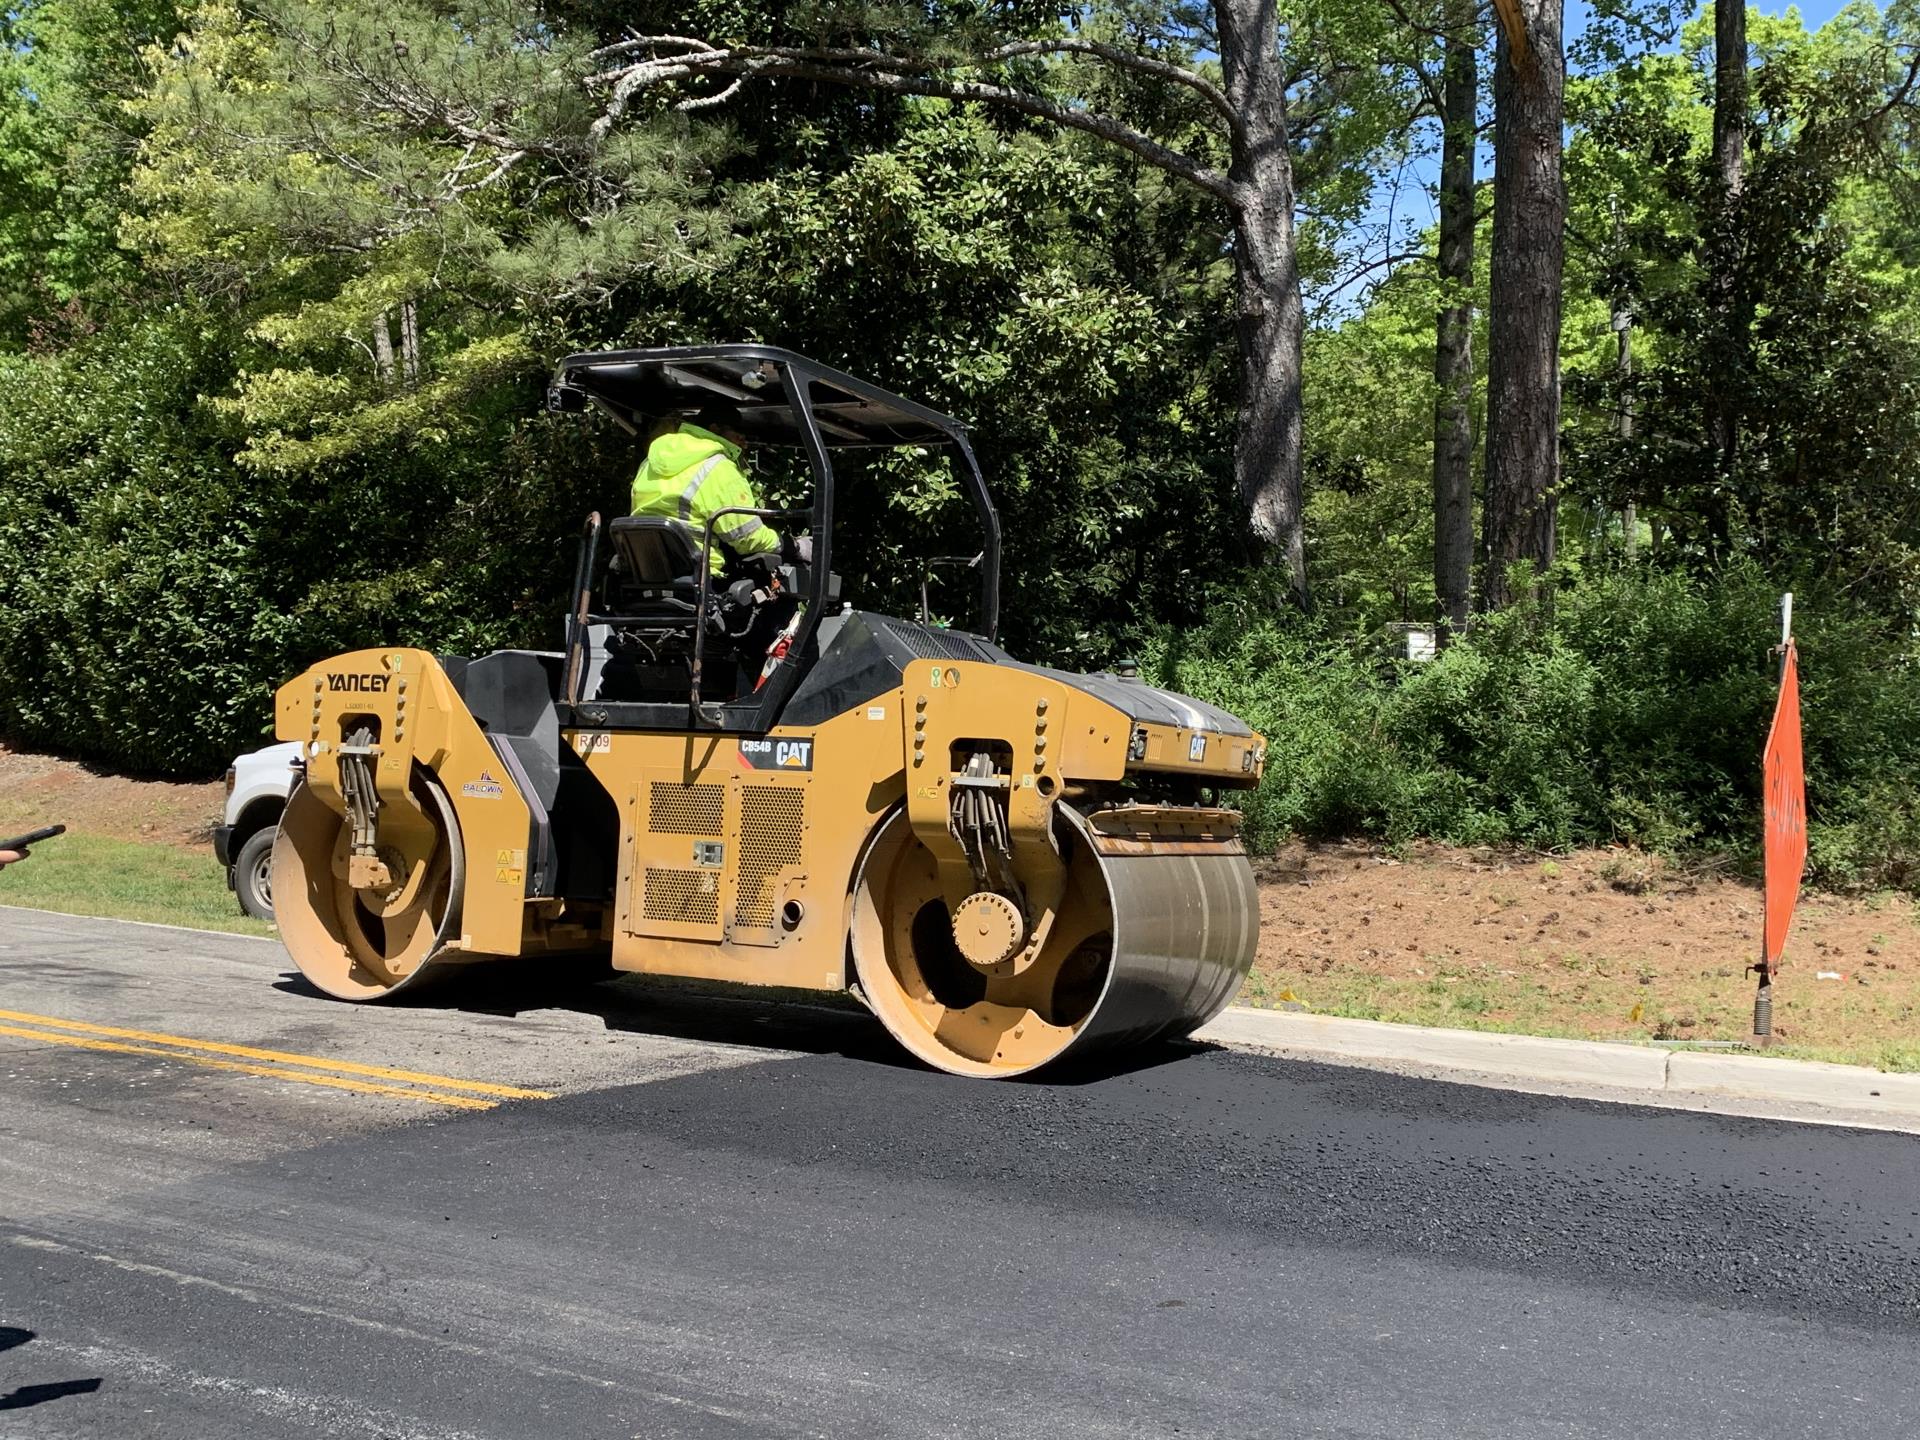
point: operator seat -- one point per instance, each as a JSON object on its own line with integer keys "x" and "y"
{"x": 656, "y": 573}
{"x": 644, "y": 639}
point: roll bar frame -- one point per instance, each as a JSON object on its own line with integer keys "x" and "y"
{"x": 611, "y": 380}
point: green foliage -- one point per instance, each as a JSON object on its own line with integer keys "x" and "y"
{"x": 135, "y": 623}
{"x": 156, "y": 593}
{"x": 65, "y": 143}
{"x": 280, "y": 283}
{"x": 318, "y": 168}
{"x": 1634, "y": 713}
{"x": 1370, "y": 454}
{"x": 977, "y": 270}
{"x": 1802, "y": 331}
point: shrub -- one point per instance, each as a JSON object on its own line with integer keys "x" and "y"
{"x": 1634, "y": 712}
{"x": 134, "y": 624}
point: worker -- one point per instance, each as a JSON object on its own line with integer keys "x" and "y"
{"x": 692, "y": 471}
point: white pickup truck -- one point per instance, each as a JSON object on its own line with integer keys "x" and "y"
{"x": 257, "y": 787}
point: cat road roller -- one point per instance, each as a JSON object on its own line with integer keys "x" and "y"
{"x": 733, "y": 775}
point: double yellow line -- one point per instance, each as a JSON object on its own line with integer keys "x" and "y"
{"x": 277, "y": 1064}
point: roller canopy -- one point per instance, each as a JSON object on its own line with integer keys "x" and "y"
{"x": 639, "y": 386}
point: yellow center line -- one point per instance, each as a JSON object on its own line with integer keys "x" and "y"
{"x": 430, "y": 1097}
{"x": 281, "y": 1057}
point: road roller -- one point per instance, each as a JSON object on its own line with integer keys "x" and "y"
{"x": 730, "y": 773}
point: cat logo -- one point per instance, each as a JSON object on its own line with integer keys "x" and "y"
{"x": 777, "y": 754}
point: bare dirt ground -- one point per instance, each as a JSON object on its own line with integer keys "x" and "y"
{"x": 38, "y": 790}
{"x": 1602, "y": 944}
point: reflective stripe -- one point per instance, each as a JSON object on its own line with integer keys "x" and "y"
{"x": 740, "y": 532}
{"x": 694, "y": 482}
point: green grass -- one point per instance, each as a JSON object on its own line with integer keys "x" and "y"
{"x": 91, "y": 875}
{"x": 1879, "y": 1032}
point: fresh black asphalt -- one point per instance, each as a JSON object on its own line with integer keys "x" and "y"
{"x": 838, "y": 1244}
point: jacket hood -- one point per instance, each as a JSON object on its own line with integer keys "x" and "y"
{"x": 687, "y": 447}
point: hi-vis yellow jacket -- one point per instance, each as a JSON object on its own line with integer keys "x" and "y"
{"x": 688, "y": 475}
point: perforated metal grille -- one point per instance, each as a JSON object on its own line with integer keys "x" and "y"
{"x": 691, "y": 897}
{"x": 771, "y": 817}
{"x": 685, "y": 809}
{"x": 925, "y": 643}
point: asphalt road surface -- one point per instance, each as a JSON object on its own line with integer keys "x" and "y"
{"x": 229, "y": 1207}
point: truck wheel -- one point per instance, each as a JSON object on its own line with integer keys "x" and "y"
{"x": 253, "y": 873}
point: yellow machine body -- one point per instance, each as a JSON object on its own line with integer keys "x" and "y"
{"x": 758, "y": 859}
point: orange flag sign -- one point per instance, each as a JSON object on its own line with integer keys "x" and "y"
{"x": 1784, "y": 813}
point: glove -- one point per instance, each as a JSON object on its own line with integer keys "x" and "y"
{"x": 798, "y": 549}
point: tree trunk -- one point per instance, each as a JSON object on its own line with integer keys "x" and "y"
{"x": 1523, "y": 366}
{"x": 383, "y": 349}
{"x": 1453, "y": 328}
{"x": 410, "y": 342}
{"x": 1729, "y": 93}
{"x": 1270, "y": 319}
{"x": 1621, "y": 319}
{"x": 1723, "y": 250}
{"x": 1623, "y": 418}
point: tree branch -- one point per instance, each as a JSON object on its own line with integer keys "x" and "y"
{"x": 1129, "y": 60}
{"x": 871, "y": 70}
{"x": 1432, "y": 32}
{"x": 1900, "y": 94}
{"x": 707, "y": 102}
{"x": 904, "y": 65}
{"x": 1383, "y": 262}
{"x": 423, "y": 109}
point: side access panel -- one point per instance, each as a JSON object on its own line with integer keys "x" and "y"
{"x": 673, "y": 839}
{"x": 735, "y": 853}
{"x": 713, "y": 859}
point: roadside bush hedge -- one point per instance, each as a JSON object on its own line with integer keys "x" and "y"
{"x": 133, "y": 624}
{"x": 153, "y": 593}
{"x": 1634, "y": 711}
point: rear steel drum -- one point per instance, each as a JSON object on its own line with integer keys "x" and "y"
{"x": 1151, "y": 942}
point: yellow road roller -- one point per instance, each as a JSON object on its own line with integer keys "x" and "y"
{"x": 730, "y": 773}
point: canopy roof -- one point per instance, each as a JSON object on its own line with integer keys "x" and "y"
{"x": 642, "y": 386}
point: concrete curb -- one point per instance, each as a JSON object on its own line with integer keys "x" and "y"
{"x": 1852, "y": 1087}
{"x": 1633, "y": 1074}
